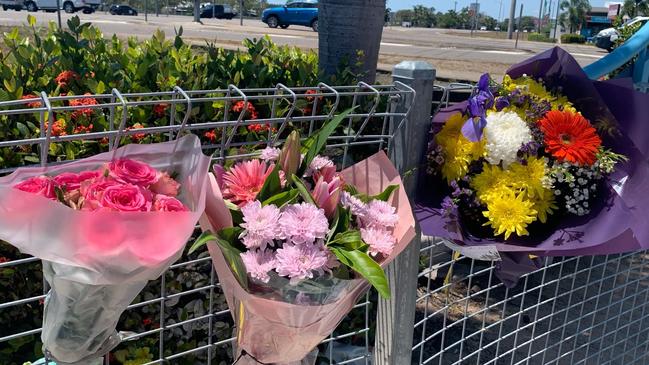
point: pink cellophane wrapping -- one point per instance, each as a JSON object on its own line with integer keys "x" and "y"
{"x": 284, "y": 333}
{"x": 97, "y": 262}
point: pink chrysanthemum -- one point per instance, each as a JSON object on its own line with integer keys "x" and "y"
{"x": 355, "y": 205}
{"x": 260, "y": 224}
{"x": 258, "y": 264}
{"x": 299, "y": 262}
{"x": 303, "y": 223}
{"x": 379, "y": 214}
{"x": 380, "y": 241}
{"x": 318, "y": 163}
{"x": 270, "y": 154}
{"x": 243, "y": 181}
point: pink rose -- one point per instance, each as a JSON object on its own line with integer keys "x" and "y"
{"x": 68, "y": 181}
{"x": 39, "y": 185}
{"x": 165, "y": 185}
{"x": 93, "y": 190}
{"x": 126, "y": 198}
{"x": 165, "y": 203}
{"x": 133, "y": 172}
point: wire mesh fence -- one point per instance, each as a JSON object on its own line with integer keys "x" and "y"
{"x": 182, "y": 317}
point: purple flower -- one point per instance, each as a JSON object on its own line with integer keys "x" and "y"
{"x": 260, "y": 224}
{"x": 258, "y": 264}
{"x": 502, "y": 103}
{"x": 448, "y": 205}
{"x": 381, "y": 241}
{"x": 379, "y": 214}
{"x": 303, "y": 223}
{"x": 355, "y": 205}
{"x": 477, "y": 110}
{"x": 299, "y": 262}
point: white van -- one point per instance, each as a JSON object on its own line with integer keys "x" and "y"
{"x": 70, "y": 6}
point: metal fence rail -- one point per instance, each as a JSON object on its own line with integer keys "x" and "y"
{"x": 182, "y": 318}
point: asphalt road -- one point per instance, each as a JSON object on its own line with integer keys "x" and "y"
{"x": 456, "y": 56}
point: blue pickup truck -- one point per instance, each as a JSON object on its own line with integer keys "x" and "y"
{"x": 295, "y": 12}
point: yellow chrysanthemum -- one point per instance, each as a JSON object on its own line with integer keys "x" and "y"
{"x": 544, "y": 205}
{"x": 489, "y": 182}
{"x": 510, "y": 213}
{"x": 535, "y": 89}
{"x": 530, "y": 177}
{"x": 457, "y": 150}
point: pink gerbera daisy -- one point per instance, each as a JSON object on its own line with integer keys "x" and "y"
{"x": 243, "y": 181}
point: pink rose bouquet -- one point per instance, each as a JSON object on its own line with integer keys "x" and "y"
{"x": 103, "y": 226}
{"x": 297, "y": 242}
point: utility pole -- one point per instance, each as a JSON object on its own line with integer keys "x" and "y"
{"x": 500, "y": 13}
{"x": 556, "y": 21}
{"x": 455, "y": 8}
{"x": 512, "y": 15}
{"x": 540, "y": 15}
{"x": 520, "y": 19}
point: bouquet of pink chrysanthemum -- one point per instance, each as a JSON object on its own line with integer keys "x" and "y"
{"x": 299, "y": 241}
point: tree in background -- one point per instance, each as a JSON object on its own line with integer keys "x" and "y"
{"x": 422, "y": 16}
{"x": 404, "y": 15}
{"x": 634, "y": 8}
{"x": 450, "y": 19}
{"x": 574, "y": 13}
{"x": 489, "y": 22}
{"x": 350, "y": 32}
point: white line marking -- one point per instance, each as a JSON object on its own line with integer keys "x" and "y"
{"x": 109, "y": 21}
{"x": 395, "y": 44}
{"x": 284, "y": 36}
{"x": 505, "y": 52}
{"x": 586, "y": 55}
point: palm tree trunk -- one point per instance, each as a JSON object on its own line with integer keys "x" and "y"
{"x": 347, "y": 27}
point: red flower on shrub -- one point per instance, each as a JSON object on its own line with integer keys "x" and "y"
{"x": 66, "y": 77}
{"x": 139, "y": 136}
{"x": 159, "y": 110}
{"x": 81, "y": 129}
{"x": 251, "y": 111}
{"x": 211, "y": 135}
{"x": 260, "y": 128}
{"x": 41, "y": 301}
{"x": 58, "y": 128}
{"x": 147, "y": 321}
{"x": 3, "y": 259}
{"x": 312, "y": 98}
{"x": 85, "y": 112}
{"x": 32, "y": 104}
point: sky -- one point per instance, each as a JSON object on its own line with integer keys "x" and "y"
{"x": 491, "y": 7}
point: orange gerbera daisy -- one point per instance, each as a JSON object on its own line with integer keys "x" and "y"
{"x": 570, "y": 137}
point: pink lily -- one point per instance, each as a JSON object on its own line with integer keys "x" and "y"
{"x": 327, "y": 194}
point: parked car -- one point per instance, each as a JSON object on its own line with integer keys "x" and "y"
{"x": 606, "y": 38}
{"x": 217, "y": 11}
{"x": 12, "y": 4}
{"x": 483, "y": 28}
{"x": 295, "y": 12}
{"x": 122, "y": 10}
{"x": 70, "y": 6}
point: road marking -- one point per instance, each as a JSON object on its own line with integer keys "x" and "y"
{"x": 516, "y": 53}
{"x": 109, "y": 21}
{"x": 396, "y": 44}
{"x": 284, "y": 36}
{"x": 586, "y": 55}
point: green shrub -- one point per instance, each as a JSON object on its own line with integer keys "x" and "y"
{"x": 539, "y": 37}
{"x": 573, "y": 38}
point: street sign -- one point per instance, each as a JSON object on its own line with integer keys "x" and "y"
{"x": 614, "y": 10}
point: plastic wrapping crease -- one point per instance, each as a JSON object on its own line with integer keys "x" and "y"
{"x": 97, "y": 262}
{"x": 284, "y": 333}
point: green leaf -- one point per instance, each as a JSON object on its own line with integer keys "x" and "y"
{"x": 350, "y": 239}
{"x": 351, "y": 189}
{"x": 314, "y": 144}
{"x": 60, "y": 195}
{"x": 101, "y": 87}
{"x": 24, "y": 131}
{"x": 272, "y": 185}
{"x": 232, "y": 254}
{"x": 282, "y": 198}
{"x": 201, "y": 241}
{"x": 385, "y": 195}
{"x": 31, "y": 20}
{"x": 364, "y": 266}
{"x": 304, "y": 192}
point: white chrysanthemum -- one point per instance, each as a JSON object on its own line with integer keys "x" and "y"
{"x": 506, "y": 132}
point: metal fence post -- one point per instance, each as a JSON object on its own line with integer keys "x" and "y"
{"x": 396, "y": 316}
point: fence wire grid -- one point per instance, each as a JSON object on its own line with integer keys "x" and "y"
{"x": 182, "y": 317}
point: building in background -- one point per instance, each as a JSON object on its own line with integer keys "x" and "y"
{"x": 597, "y": 19}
